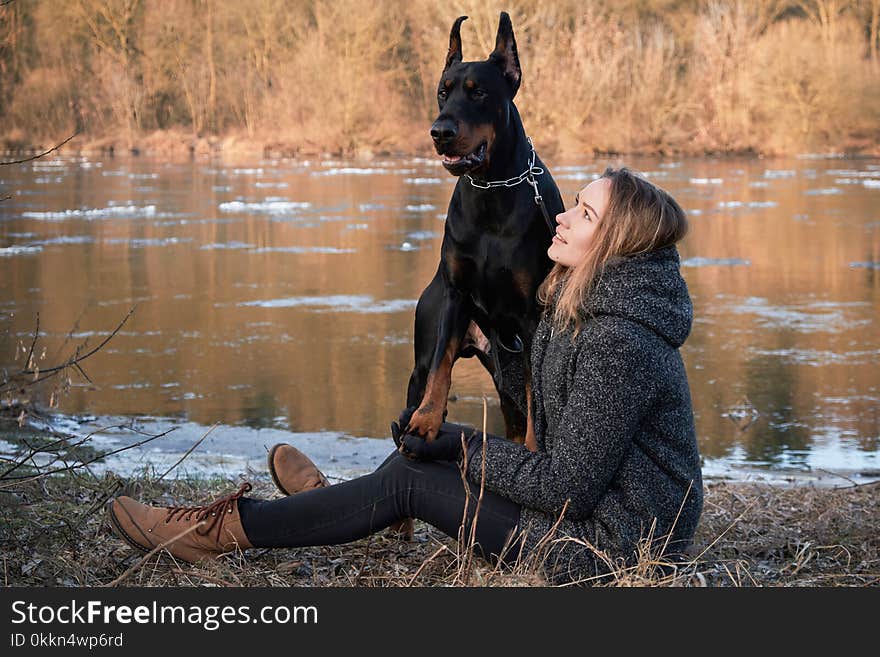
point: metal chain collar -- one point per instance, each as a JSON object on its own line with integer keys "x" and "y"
{"x": 526, "y": 176}
{"x": 529, "y": 174}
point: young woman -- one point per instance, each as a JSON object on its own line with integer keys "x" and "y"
{"x": 617, "y": 460}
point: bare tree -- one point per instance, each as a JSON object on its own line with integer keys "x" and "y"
{"x": 113, "y": 27}
{"x": 826, "y": 14}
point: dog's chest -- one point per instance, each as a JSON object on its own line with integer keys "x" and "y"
{"x": 490, "y": 251}
{"x": 484, "y": 269}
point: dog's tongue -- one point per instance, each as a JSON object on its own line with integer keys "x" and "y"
{"x": 451, "y": 158}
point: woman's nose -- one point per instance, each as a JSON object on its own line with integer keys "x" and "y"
{"x": 560, "y": 219}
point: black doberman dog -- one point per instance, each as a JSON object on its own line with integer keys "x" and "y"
{"x": 482, "y": 300}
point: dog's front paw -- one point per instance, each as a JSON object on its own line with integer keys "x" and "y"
{"x": 425, "y": 424}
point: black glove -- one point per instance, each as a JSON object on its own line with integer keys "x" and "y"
{"x": 447, "y": 446}
{"x": 398, "y": 427}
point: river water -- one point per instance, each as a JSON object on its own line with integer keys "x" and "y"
{"x": 276, "y": 298}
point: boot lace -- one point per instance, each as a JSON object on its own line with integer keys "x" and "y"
{"x": 214, "y": 513}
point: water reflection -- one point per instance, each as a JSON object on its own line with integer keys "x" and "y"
{"x": 260, "y": 410}
{"x": 281, "y": 294}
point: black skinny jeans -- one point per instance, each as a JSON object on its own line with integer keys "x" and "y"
{"x": 432, "y": 491}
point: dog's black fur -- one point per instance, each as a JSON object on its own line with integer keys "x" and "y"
{"x": 494, "y": 251}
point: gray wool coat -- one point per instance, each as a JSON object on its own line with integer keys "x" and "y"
{"x": 614, "y": 427}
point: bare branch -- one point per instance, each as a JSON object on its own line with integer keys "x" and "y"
{"x": 149, "y": 554}
{"x": 37, "y": 157}
{"x": 33, "y": 451}
{"x": 189, "y": 451}
{"x": 62, "y": 439}
{"x": 77, "y": 359}
{"x": 12, "y": 481}
{"x": 82, "y": 372}
{"x": 27, "y": 361}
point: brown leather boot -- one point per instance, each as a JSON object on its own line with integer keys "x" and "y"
{"x": 217, "y": 526}
{"x": 292, "y": 471}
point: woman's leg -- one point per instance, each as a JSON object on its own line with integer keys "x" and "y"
{"x": 430, "y": 491}
{"x": 387, "y": 460}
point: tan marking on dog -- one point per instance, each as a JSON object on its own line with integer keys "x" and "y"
{"x": 403, "y": 529}
{"x": 456, "y": 269}
{"x": 476, "y": 134}
{"x": 428, "y": 417}
{"x": 469, "y": 84}
{"x": 483, "y": 131}
{"x": 522, "y": 281}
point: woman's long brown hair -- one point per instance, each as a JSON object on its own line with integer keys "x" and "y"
{"x": 640, "y": 217}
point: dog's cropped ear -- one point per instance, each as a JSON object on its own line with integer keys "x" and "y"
{"x": 454, "y": 54}
{"x": 504, "y": 56}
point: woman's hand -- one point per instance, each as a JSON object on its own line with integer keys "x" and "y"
{"x": 398, "y": 427}
{"x": 447, "y": 446}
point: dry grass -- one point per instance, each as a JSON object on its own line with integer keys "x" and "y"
{"x": 754, "y": 76}
{"x": 799, "y": 536}
{"x": 53, "y": 532}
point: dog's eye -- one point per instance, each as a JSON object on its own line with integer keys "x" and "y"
{"x": 442, "y": 94}
{"x": 479, "y": 94}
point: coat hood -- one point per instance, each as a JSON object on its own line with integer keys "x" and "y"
{"x": 648, "y": 289}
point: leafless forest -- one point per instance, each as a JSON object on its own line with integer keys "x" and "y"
{"x": 346, "y": 76}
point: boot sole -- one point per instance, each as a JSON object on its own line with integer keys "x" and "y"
{"x": 271, "y": 459}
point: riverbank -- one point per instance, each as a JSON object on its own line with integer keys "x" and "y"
{"x": 178, "y": 145}
{"x": 53, "y": 532}
{"x": 678, "y": 77}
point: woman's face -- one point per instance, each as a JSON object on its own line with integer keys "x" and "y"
{"x": 574, "y": 234}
